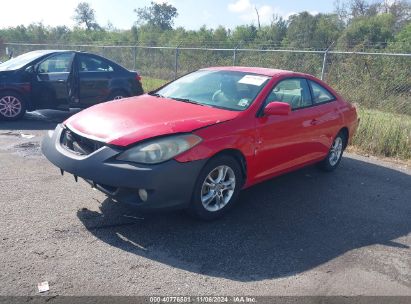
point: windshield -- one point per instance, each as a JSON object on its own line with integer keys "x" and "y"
{"x": 20, "y": 61}
{"x": 222, "y": 89}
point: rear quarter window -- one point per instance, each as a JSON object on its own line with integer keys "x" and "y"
{"x": 89, "y": 63}
{"x": 320, "y": 94}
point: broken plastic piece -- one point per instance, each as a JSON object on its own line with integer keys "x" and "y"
{"x": 43, "y": 286}
{"x": 29, "y": 136}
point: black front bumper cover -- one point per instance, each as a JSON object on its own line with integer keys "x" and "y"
{"x": 169, "y": 184}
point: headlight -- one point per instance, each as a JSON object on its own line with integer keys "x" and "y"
{"x": 159, "y": 150}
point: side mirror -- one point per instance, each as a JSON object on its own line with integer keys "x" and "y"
{"x": 277, "y": 108}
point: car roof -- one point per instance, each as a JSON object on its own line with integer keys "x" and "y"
{"x": 256, "y": 70}
{"x": 45, "y": 52}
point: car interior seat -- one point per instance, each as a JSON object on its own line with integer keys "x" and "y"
{"x": 227, "y": 92}
{"x": 51, "y": 67}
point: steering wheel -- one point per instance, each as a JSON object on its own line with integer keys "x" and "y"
{"x": 216, "y": 95}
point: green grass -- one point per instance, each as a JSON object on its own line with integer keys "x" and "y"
{"x": 379, "y": 133}
{"x": 150, "y": 84}
{"x": 384, "y": 134}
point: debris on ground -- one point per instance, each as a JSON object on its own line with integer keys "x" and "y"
{"x": 43, "y": 286}
{"x": 28, "y": 136}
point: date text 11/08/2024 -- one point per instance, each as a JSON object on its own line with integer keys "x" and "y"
{"x": 203, "y": 299}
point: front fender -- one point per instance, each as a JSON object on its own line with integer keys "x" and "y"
{"x": 236, "y": 135}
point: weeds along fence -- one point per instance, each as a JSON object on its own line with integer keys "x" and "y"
{"x": 379, "y": 83}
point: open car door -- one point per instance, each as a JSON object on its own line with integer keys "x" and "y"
{"x": 53, "y": 82}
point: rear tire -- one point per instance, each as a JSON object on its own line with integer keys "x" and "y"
{"x": 334, "y": 156}
{"x": 12, "y": 106}
{"x": 217, "y": 188}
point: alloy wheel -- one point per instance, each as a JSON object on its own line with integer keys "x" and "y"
{"x": 218, "y": 188}
{"x": 10, "y": 106}
{"x": 336, "y": 151}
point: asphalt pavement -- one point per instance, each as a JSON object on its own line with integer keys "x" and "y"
{"x": 304, "y": 233}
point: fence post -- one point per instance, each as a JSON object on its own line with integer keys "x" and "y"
{"x": 324, "y": 64}
{"x": 235, "y": 56}
{"x": 176, "y": 61}
{"x": 323, "y": 70}
{"x": 134, "y": 57}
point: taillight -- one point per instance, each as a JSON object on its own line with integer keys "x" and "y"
{"x": 138, "y": 77}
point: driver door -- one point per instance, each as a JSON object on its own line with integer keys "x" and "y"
{"x": 287, "y": 142}
{"x": 52, "y": 82}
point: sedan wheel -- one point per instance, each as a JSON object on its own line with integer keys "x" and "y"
{"x": 217, "y": 187}
{"x": 336, "y": 151}
{"x": 11, "y": 106}
{"x": 334, "y": 156}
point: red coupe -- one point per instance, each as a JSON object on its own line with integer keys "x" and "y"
{"x": 197, "y": 141}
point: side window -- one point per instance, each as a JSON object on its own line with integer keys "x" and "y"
{"x": 320, "y": 94}
{"x": 56, "y": 64}
{"x": 294, "y": 91}
{"x": 93, "y": 64}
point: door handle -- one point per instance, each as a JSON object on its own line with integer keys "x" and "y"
{"x": 60, "y": 80}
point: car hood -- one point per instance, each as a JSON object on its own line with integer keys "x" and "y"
{"x": 130, "y": 120}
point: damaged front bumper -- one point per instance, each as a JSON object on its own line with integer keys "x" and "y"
{"x": 167, "y": 185}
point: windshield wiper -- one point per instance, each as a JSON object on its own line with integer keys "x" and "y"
{"x": 187, "y": 100}
{"x": 155, "y": 94}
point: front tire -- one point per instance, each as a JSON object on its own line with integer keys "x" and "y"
{"x": 217, "y": 188}
{"x": 333, "y": 159}
{"x": 12, "y": 106}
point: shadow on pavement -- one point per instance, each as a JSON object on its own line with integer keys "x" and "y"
{"x": 279, "y": 228}
{"x": 38, "y": 120}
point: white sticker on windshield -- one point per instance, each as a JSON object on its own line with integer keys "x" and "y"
{"x": 253, "y": 80}
{"x": 243, "y": 102}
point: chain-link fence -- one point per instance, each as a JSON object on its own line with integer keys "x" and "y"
{"x": 380, "y": 83}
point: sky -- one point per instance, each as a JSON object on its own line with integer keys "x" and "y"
{"x": 192, "y": 13}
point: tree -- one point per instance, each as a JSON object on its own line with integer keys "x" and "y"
{"x": 341, "y": 10}
{"x": 401, "y": 10}
{"x": 220, "y": 34}
{"x": 347, "y": 11}
{"x": 403, "y": 40}
{"x": 319, "y": 31}
{"x": 157, "y": 15}
{"x": 328, "y": 30}
{"x": 272, "y": 34}
{"x": 374, "y": 31}
{"x": 84, "y": 14}
{"x": 134, "y": 34}
{"x": 38, "y": 32}
{"x": 244, "y": 34}
{"x": 359, "y": 8}
{"x": 301, "y": 30}
{"x": 58, "y": 33}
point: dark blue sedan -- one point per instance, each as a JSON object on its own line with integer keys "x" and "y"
{"x": 61, "y": 80}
